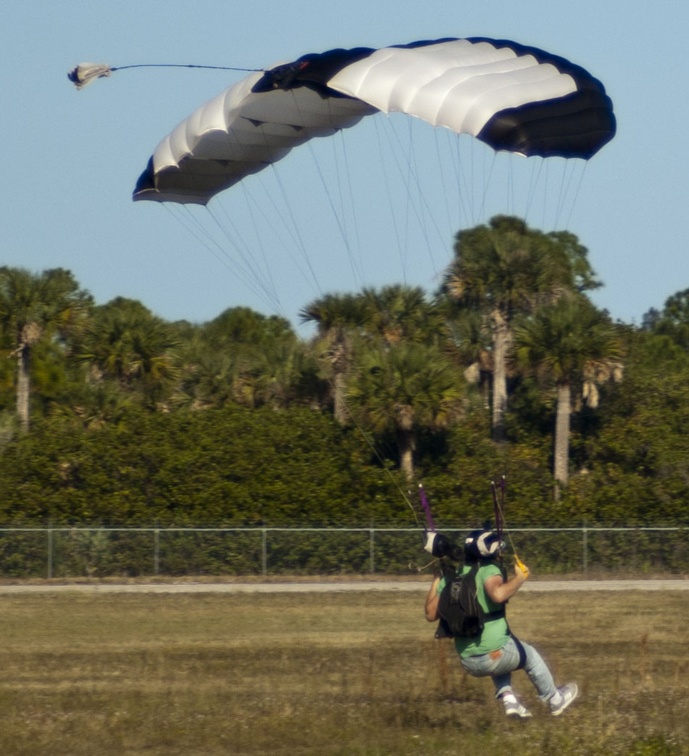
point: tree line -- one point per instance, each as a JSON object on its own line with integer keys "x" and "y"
{"x": 111, "y": 414}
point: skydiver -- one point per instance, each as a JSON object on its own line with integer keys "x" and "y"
{"x": 496, "y": 652}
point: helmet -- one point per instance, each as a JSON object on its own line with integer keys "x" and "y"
{"x": 441, "y": 546}
{"x": 483, "y": 544}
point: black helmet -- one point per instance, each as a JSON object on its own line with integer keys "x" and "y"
{"x": 483, "y": 544}
{"x": 441, "y": 546}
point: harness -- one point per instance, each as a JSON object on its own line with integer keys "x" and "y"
{"x": 461, "y": 614}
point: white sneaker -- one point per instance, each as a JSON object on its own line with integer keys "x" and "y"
{"x": 563, "y": 698}
{"x": 513, "y": 708}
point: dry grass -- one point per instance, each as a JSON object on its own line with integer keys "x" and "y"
{"x": 340, "y": 674}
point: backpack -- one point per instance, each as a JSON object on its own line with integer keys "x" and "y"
{"x": 461, "y": 615}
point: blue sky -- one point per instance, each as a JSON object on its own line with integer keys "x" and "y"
{"x": 72, "y": 158}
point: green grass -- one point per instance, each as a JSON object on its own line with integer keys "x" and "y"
{"x": 322, "y": 674}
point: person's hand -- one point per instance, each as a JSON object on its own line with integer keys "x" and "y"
{"x": 520, "y": 569}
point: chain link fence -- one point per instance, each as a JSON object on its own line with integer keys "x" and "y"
{"x": 98, "y": 552}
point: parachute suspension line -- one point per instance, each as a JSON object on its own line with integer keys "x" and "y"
{"x": 404, "y": 167}
{"x": 244, "y": 264}
{"x": 258, "y": 277}
{"x": 388, "y": 185}
{"x": 449, "y": 181}
{"x": 464, "y": 168}
{"x": 510, "y": 199}
{"x": 388, "y": 157}
{"x": 258, "y": 240}
{"x": 186, "y": 218}
{"x": 294, "y": 227}
{"x": 572, "y": 192}
{"x": 542, "y": 179}
{"x": 286, "y": 221}
{"x": 447, "y": 154}
{"x": 432, "y": 226}
{"x": 351, "y": 195}
{"x": 411, "y": 181}
{"x": 486, "y": 184}
{"x": 270, "y": 215}
{"x": 200, "y": 232}
{"x": 500, "y": 522}
{"x": 541, "y": 191}
{"x": 534, "y": 183}
{"x": 436, "y": 220}
{"x": 417, "y": 204}
{"x": 561, "y": 181}
{"x": 399, "y": 219}
{"x": 479, "y": 168}
{"x": 562, "y": 194}
{"x": 339, "y": 217}
{"x": 512, "y": 187}
{"x": 530, "y": 183}
{"x": 297, "y": 237}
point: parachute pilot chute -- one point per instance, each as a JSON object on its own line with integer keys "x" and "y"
{"x": 512, "y": 97}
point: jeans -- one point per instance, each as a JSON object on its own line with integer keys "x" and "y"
{"x": 500, "y": 664}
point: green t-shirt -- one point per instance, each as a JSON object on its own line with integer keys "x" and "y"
{"x": 495, "y": 632}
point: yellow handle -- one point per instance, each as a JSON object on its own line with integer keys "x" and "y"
{"x": 521, "y": 566}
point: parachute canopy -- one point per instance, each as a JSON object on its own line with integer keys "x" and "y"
{"x": 512, "y": 97}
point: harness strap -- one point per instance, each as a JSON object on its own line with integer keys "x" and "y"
{"x": 522, "y": 652}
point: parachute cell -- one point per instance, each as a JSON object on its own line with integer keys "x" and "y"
{"x": 514, "y": 98}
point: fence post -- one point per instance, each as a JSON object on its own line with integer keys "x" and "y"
{"x": 264, "y": 551}
{"x": 50, "y": 549}
{"x": 372, "y": 549}
{"x": 156, "y": 551}
{"x": 585, "y": 548}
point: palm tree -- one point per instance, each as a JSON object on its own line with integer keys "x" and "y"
{"x": 504, "y": 269}
{"x": 399, "y": 312}
{"x": 337, "y": 318}
{"x": 243, "y": 357}
{"x": 92, "y": 407}
{"x": 402, "y": 388}
{"x": 126, "y": 343}
{"x": 208, "y": 378}
{"x": 242, "y": 327}
{"x": 36, "y": 308}
{"x": 470, "y": 342}
{"x": 261, "y": 355}
{"x": 568, "y": 344}
{"x": 673, "y": 321}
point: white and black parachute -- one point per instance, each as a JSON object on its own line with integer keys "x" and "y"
{"x": 512, "y": 97}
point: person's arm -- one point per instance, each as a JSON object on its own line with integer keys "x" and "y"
{"x": 431, "y": 605}
{"x": 499, "y": 590}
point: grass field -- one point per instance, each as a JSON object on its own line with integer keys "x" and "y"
{"x": 326, "y": 674}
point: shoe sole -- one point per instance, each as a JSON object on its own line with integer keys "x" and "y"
{"x": 566, "y": 704}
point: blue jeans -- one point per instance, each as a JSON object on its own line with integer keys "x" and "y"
{"x": 500, "y": 664}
